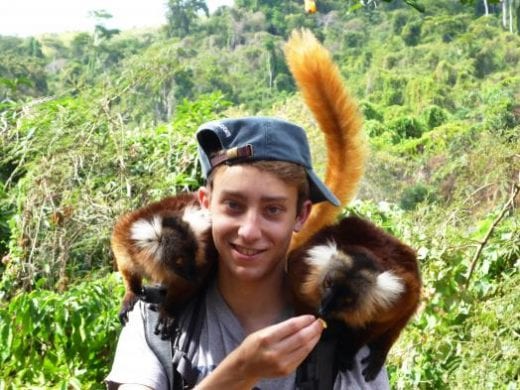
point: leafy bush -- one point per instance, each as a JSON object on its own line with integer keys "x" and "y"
{"x": 405, "y": 127}
{"x": 60, "y": 339}
{"x": 374, "y": 128}
{"x": 411, "y": 32}
{"x": 370, "y": 111}
{"x": 502, "y": 113}
{"x": 434, "y": 116}
{"x": 392, "y": 88}
{"x": 354, "y": 39}
{"x": 445, "y": 73}
{"x": 414, "y": 195}
{"x": 399, "y": 20}
{"x": 6, "y": 212}
{"x": 446, "y": 27}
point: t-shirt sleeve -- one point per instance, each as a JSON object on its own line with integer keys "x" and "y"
{"x": 353, "y": 379}
{"x": 134, "y": 361}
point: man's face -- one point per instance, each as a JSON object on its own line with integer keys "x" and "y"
{"x": 253, "y": 217}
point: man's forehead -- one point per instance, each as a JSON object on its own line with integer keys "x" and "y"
{"x": 244, "y": 180}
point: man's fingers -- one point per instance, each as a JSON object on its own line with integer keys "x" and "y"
{"x": 291, "y": 351}
{"x": 304, "y": 340}
{"x": 289, "y": 327}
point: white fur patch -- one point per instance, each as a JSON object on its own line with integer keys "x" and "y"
{"x": 198, "y": 218}
{"x": 321, "y": 255}
{"x": 147, "y": 233}
{"x": 388, "y": 288}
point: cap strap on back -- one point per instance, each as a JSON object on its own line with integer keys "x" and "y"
{"x": 241, "y": 152}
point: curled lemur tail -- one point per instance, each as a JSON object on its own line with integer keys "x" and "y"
{"x": 320, "y": 83}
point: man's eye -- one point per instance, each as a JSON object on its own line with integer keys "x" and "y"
{"x": 232, "y": 205}
{"x": 274, "y": 210}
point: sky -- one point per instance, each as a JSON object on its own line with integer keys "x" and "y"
{"x": 33, "y": 17}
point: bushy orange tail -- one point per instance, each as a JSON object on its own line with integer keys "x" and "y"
{"x": 320, "y": 83}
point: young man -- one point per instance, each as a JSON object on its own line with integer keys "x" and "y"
{"x": 260, "y": 188}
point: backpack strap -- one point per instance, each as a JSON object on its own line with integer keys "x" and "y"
{"x": 319, "y": 370}
{"x": 174, "y": 353}
{"x": 184, "y": 374}
{"x": 161, "y": 348}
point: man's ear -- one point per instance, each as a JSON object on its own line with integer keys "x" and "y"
{"x": 204, "y": 196}
{"x": 305, "y": 211}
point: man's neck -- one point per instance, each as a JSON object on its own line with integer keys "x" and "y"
{"x": 256, "y": 305}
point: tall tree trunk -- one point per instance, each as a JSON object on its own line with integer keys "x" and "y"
{"x": 504, "y": 13}
{"x": 486, "y": 8}
{"x": 269, "y": 70}
{"x": 511, "y": 16}
{"x": 518, "y": 18}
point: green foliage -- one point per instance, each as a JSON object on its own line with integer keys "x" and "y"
{"x": 182, "y": 16}
{"x": 399, "y": 20}
{"x": 405, "y": 127}
{"x": 445, "y": 27}
{"x": 434, "y": 116}
{"x": 414, "y": 195}
{"x": 502, "y": 112}
{"x": 22, "y": 68}
{"x": 449, "y": 331}
{"x": 370, "y": 111}
{"x": 6, "y": 212}
{"x": 95, "y": 169}
{"x": 60, "y": 339}
{"x": 411, "y": 32}
{"x": 374, "y": 128}
{"x": 388, "y": 88}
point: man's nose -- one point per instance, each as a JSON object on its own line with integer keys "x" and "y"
{"x": 249, "y": 229}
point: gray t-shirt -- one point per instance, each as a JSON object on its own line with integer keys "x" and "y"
{"x": 220, "y": 334}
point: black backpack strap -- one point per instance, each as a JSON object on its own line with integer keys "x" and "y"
{"x": 184, "y": 374}
{"x": 319, "y": 370}
{"x": 171, "y": 352}
{"x": 162, "y": 348}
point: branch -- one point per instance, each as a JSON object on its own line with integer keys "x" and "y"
{"x": 516, "y": 190}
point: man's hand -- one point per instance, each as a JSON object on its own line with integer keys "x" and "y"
{"x": 279, "y": 349}
{"x": 270, "y": 352}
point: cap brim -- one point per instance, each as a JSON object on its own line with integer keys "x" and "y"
{"x": 319, "y": 191}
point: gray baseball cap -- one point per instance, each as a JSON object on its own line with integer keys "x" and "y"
{"x": 259, "y": 138}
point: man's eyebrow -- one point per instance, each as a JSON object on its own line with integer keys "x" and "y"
{"x": 240, "y": 195}
{"x": 275, "y": 198}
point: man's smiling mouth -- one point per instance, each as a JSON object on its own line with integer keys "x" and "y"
{"x": 246, "y": 251}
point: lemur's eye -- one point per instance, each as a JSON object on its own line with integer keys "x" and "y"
{"x": 327, "y": 282}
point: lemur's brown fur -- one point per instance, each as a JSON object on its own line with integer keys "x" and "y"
{"x": 170, "y": 251}
{"x": 364, "y": 279}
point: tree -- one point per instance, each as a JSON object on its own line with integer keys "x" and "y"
{"x": 181, "y": 16}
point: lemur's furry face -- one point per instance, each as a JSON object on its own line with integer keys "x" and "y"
{"x": 353, "y": 287}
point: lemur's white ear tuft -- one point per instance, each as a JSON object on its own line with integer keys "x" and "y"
{"x": 321, "y": 255}
{"x": 388, "y": 288}
{"x": 198, "y": 218}
{"x": 147, "y": 235}
{"x": 144, "y": 230}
